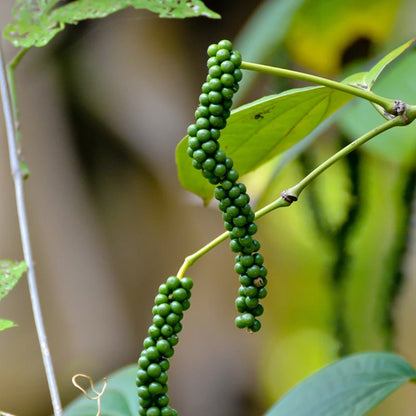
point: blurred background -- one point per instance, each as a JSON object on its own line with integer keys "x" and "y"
{"x": 102, "y": 109}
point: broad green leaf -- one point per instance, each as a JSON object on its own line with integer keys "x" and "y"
{"x": 5, "y": 324}
{"x": 349, "y": 387}
{"x": 397, "y": 145}
{"x": 258, "y": 131}
{"x": 10, "y": 273}
{"x": 119, "y": 398}
{"x": 36, "y": 22}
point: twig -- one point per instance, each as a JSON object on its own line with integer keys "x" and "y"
{"x": 24, "y": 233}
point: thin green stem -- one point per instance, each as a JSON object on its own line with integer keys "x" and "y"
{"x": 295, "y": 191}
{"x": 191, "y": 259}
{"x": 386, "y": 103}
{"x": 26, "y": 245}
{"x": 292, "y": 194}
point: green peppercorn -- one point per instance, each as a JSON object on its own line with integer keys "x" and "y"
{"x": 210, "y": 147}
{"x": 212, "y": 49}
{"x": 203, "y": 135}
{"x": 215, "y": 84}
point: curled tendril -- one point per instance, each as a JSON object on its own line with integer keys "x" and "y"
{"x": 98, "y": 394}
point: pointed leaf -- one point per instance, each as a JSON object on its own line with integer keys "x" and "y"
{"x": 36, "y": 22}
{"x": 260, "y": 130}
{"x": 10, "y": 273}
{"x": 119, "y": 398}
{"x": 351, "y": 386}
{"x": 4, "y": 324}
{"x": 366, "y": 80}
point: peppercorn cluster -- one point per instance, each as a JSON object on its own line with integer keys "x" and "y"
{"x": 153, "y": 364}
{"x": 211, "y": 116}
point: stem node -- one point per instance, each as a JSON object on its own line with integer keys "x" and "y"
{"x": 288, "y": 196}
{"x": 400, "y": 109}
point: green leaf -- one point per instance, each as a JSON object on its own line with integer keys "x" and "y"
{"x": 36, "y": 22}
{"x": 366, "y": 80}
{"x": 262, "y": 129}
{"x": 4, "y": 324}
{"x": 371, "y": 76}
{"x": 10, "y": 273}
{"x": 349, "y": 387}
{"x": 119, "y": 398}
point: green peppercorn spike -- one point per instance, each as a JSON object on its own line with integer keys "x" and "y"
{"x": 211, "y": 116}
{"x": 172, "y": 299}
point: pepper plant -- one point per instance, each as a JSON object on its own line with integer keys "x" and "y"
{"x": 222, "y": 145}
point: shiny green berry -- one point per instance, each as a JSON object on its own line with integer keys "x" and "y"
{"x": 163, "y": 346}
{"x": 154, "y": 370}
{"x": 225, "y": 44}
{"x": 152, "y": 353}
{"x": 227, "y": 67}
{"x": 162, "y": 401}
{"x": 212, "y": 49}
{"x": 173, "y": 282}
{"x": 148, "y": 342}
{"x": 164, "y": 364}
{"x": 143, "y": 392}
{"x": 239, "y": 323}
{"x": 247, "y": 319}
{"x": 256, "y": 326}
{"x": 176, "y": 307}
{"x": 166, "y": 330}
{"x": 222, "y": 55}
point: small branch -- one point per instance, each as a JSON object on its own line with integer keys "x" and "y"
{"x": 191, "y": 259}
{"x": 295, "y": 191}
{"x": 24, "y": 232}
{"x": 386, "y": 103}
{"x": 292, "y": 194}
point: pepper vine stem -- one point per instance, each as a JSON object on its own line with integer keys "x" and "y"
{"x": 386, "y": 103}
{"x": 17, "y": 174}
{"x": 290, "y": 195}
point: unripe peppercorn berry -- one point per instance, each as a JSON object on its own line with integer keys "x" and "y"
{"x": 212, "y": 49}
